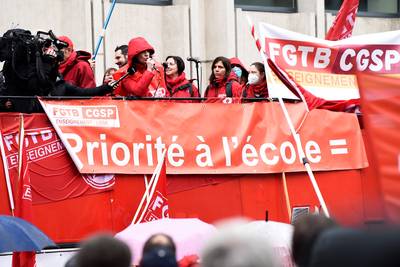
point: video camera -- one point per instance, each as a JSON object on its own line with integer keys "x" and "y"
{"x": 14, "y": 38}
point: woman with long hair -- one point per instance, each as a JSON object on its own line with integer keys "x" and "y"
{"x": 223, "y": 82}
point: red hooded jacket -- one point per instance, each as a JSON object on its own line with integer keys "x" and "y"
{"x": 245, "y": 73}
{"x": 179, "y": 87}
{"x": 77, "y": 71}
{"x": 216, "y": 91}
{"x": 142, "y": 82}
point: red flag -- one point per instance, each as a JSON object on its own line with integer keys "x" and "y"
{"x": 155, "y": 196}
{"x": 23, "y": 202}
{"x": 380, "y": 98}
{"x": 343, "y": 24}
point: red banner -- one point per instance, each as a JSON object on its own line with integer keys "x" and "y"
{"x": 325, "y": 68}
{"x": 380, "y": 98}
{"x": 112, "y": 136}
{"x": 48, "y": 161}
{"x": 343, "y": 24}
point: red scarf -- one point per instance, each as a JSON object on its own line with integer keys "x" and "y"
{"x": 218, "y": 81}
{"x": 260, "y": 89}
{"x": 172, "y": 82}
{"x": 67, "y": 63}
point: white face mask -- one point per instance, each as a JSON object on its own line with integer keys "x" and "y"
{"x": 253, "y": 78}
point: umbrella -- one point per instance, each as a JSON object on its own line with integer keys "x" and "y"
{"x": 17, "y": 234}
{"x": 189, "y": 235}
{"x": 278, "y": 234}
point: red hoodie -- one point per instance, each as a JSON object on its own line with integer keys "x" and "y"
{"x": 175, "y": 87}
{"x": 142, "y": 82}
{"x": 77, "y": 71}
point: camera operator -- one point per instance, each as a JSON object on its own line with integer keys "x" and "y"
{"x": 31, "y": 69}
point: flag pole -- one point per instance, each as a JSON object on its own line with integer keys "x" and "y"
{"x": 103, "y": 32}
{"x": 7, "y": 175}
{"x": 287, "y": 199}
{"x": 296, "y": 136}
{"x": 149, "y": 190}
{"x": 20, "y": 146}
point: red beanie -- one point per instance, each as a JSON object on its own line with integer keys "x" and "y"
{"x": 67, "y": 40}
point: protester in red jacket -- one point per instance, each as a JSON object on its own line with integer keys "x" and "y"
{"x": 75, "y": 68}
{"x": 177, "y": 84}
{"x": 256, "y": 86}
{"x": 240, "y": 70}
{"x": 148, "y": 80}
{"x": 223, "y": 85}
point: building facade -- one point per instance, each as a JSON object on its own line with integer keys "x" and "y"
{"x": 197, "y": 28}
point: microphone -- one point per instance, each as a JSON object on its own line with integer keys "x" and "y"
{"x": 165, "y": 65}
{"x": 194, "y": 59}
{"x": 129, "y": 71}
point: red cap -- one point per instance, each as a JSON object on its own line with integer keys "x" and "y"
{"x": 67, "y": 40}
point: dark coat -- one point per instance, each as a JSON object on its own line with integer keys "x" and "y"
{"x": 350, "y": 248}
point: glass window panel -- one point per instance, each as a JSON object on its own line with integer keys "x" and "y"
{"x": 267, "y": 3}
{"x": 371, "y": 6}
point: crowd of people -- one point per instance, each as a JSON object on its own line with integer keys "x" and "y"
{"x": 316, "y": 241}
{"x": 137, "y": 75}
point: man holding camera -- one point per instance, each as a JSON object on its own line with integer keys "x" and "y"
{"x": 75, "y": 67}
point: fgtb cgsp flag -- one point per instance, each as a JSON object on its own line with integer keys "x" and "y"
{"x": 343, "y": 24}
{"x": 155, "y": 196}
{"x": 24, "y": 198}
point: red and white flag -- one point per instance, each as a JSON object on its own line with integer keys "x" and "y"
{"x": 23, "y": 202}
{"x": 343, "y": 24}
{"x": 154, "y": 203}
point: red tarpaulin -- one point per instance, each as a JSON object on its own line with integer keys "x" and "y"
{"x": 380, "y": 96}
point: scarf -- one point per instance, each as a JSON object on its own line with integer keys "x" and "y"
{"x": 260, "y": 89}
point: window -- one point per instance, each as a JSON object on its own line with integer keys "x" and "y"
{"x": 375, "y": 8}
{"x": 146, "y": 2}
{"x": 268, "y": 5}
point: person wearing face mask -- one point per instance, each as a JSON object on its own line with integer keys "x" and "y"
{"x": 177, "y": 84}
{"x": 223, "y": 85}
{"x": 240, "y": 70}
{"x": 148, "y": 79}
{"x": 256, "y": 86}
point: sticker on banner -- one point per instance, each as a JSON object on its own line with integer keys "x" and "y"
{"x": 99, "y": 181}
{"x": 89, "y": 116}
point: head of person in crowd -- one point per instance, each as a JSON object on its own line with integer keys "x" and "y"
{"x": 103, "y": 251}
{"x": 347, "y": 247}
{"x": 240, "y": 70}
{"x": 67, "y": 51}
{"x": 307, "y": 229}
{"x": 108, "y": 75}
{"x": 158, "y": 256}
{"x": 256, "y": 74}
{"x": 175, "y": 66}
{"x": 140, "y": 54}
{"x": 159, "y": 240}
{"x": 121, "y": 55}
{"x": 221, "y": 69}
{"x": 233, "y": 247}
